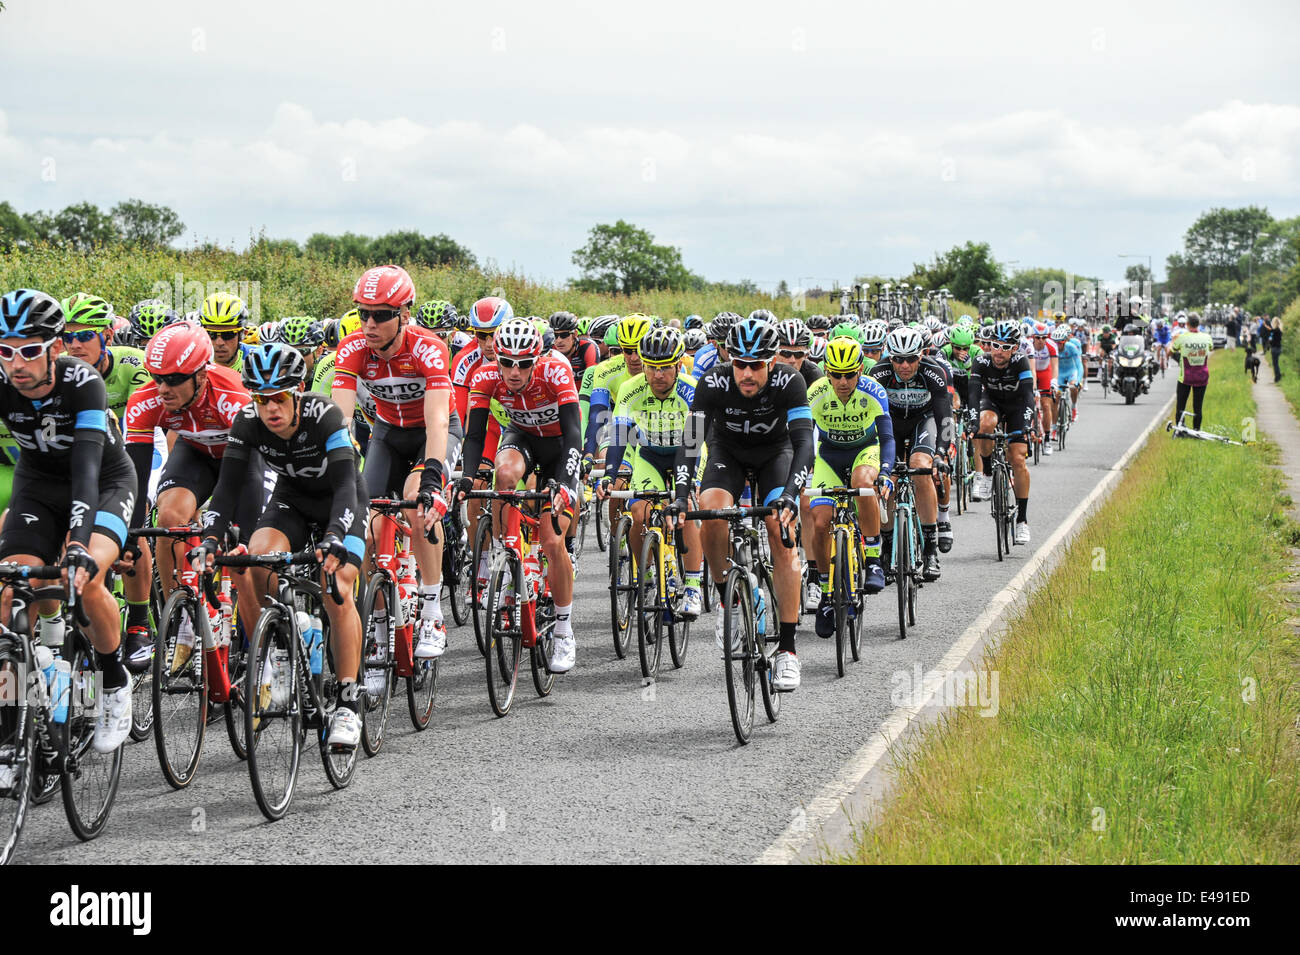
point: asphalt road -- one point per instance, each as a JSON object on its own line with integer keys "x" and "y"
{"x": 604, "y": 770}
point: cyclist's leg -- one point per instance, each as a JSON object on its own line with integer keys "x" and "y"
{"x": 823, "y": 513}
{"x": 720, "y": 487}
{"x": 186, "y": 482}
{"x": 514, "y": 460}
{"x": 769, "y": 485}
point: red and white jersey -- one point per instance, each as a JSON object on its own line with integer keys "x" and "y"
{"x": 1043, "y": 356}
{"x": 467, "y": 361}
{"x": 536, "y": 407}
{"x": 205, "y": 424}
{"x": 397, "y": 384}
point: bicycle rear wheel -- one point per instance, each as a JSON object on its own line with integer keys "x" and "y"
{"x": 598, "y": 510}
{"x": 651, "y": 607}
{"x": 539, "y": 655}
{"x": 477, "y": 602}
{"x": 454, "y": 576}
{"x": 340, "y": 762}
{"x": 180, "y": 698}
{"x": 738, "y": 649}
{"x": 90, "y": 779}
{"x": 234, "y": 708}
{"x": 17, "y": 745}
{"x": 273, "y": 727}
{"x": 378, "y": 610}
{"x": 622, "y": 585}
{"x": 584, "y": 516}
{"x": 505, "y": 635}
{"x": 679, "y": 631}
{"x": 840, "y": 593}
{"x": 858, "y": 607}
{"x": 999, "y": 505}
{"x": 767, "y": 633}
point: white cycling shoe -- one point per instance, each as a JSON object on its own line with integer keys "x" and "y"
{"x": 433, "y": 640}
{"x": 1022, "y": 532}
{"x": 785, "y": 676}
{"x": 692, "y": 603}
{"x": 345, "y": 728}
{"x": 983, "y": 489}
{"x": 113, "y": 722}
{"x": 565, "y": 654}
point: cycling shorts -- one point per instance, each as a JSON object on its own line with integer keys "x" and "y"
{"x": 727, "y": 469}
{"x": 835, "y": 467}
{"x": 302, "y": 519}
{"x": 545, "y": 454}
{"x": 197, "y": 472}
{"x": 394, "y": 454}
{"x": 41, "y": 506}
{"x": 1013, "y": 417}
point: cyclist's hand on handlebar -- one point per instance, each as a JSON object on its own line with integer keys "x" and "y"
{"x": 602, "y": 488}
{"x": 886, "y": 487}
{"x": 588, "y": 462}
{"x": 331, "y": 553}
{"x": 78, "y": 566}
{"x": 562, "y": 500}
{"x": 787, "y": 512}
{"x": 461, "y": 487}
{"x": 675, "y": 513}
{"x": 201, "y": 557}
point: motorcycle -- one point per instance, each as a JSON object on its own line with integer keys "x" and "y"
{"x": 1131, "y": 368}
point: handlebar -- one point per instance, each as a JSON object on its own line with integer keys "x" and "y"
{"x": 280, "y": 559}
{"x": 731, "y": 514}
{"x": 13, "y": 573}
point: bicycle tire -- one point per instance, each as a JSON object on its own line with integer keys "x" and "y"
{"x": 902, "y": 563}
{"x": 600, "y": 530}
{"x": 237, "y": 663}
{"x": 275, "y": 734}
{"x": 915, "y": 551}
{"x": 841, "y": 594}
{"x": 454, "y": 577}
{"x": 482, "y": 535}
{"x": 679, "y": 633}
{"x": 580, "y": 532}
{"x": 505, "y": 638}
{"x": 622, "y": 585}
{"x": 381, "y": 592}
{"x": 540, "y": 654}
{"x": 340, "y": 762}
{"x": 17, "y": 744}
{"x": 859, "y": 604}
{"x": 180, "y": 700}
{"x": 90, "y": 780}
{"x": 651, "y": 606}
{"x": 738, "y": 614}
{"x": 142, "y": 683}
{"x": 771, "y": 626}
{"x": 959, "y": 475}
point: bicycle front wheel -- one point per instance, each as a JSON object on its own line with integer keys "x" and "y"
{"x": 273, "y": 714}
{"x": 622, "y": 585}
{"x": 902, "y": 563}
{"x": 540, "y": 654}
{"x": 767, "y": 633}
{"x": 90, "y": 778}
{"x": 651, "y": 606}
{"x": 340, "y": 761}
{"x": 505, "y": 634}
{"x": 17, "y": 746}
{"x": 841, "y": 592}
{"x": 454, "y": 575}
{"x": 738, "y": 650}
{"x": 378, "y": 616}
{"x": 180, "y": 689}
{"x": 478, "y": 588}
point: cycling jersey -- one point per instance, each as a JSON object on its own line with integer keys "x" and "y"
{"x": 652, "y": 426}
{"x": 204, "y": 423}
{"x": 918, "y": 401}
{"x": 125, "y": 374}
{"x": 72, "y": 460}
{"x": 585, "y": 355}
{"x": 705, "y": 359}
{"x": 1009, "y": 391}
{"x": 1071, "y": 362}
{"x": 1043, "y": 356}
{"x": 609, "y": 377}
{"x": 1193, "y": 352}
{"x": 399, "y": 383}
{"x": 323, "y": 382}
{"x": 317, "y": 462}
{"x": 961, "y": 370}
{"x": 853, "y": 424}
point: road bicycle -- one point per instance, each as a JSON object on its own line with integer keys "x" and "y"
{"x": 1003, "y": 500}
{"x": 1064, "y": 417}
{"x": 848, "y": 570}
{"x": 751, "y": 616}
{"x": 623, "y": 573}
{"x": 519, "y": 608}
{"x": 905, "y": 558}
{"x": 48, "y": 706}
{"x": 660, "y": 587}
{"x": 291, "y": 687}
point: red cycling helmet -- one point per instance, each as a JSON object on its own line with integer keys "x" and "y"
{"x": 384, "y": 285}
{"x": 1040, "y": 329}
{"x": 180, "y": 349}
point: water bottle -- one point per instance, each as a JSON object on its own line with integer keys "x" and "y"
{"x": 45, "y": 663}
{"x": 60, "y": 688}
{"x": 760, "y": 613}
{"x": 533, "y": 574}
{"x": 316, "y": 645}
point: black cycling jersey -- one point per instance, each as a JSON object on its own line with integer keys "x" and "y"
{"x": 810, "y": 371}
{"x": 1006, "y": 387}
{"x": 317, "y": 461}
{"x": 585, "y": 354}
{"x": 748, "y": 430}
{"x": 921, "y": 397}
{"x": 69, "y": 439}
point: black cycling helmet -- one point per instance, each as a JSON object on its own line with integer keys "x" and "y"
{"x": 662, "y": 346}
{"x": 722, "y": 322}
{"x": 563, "y": 321}
{"x": 793, "y": 333}
{"x": 692, "y": 322}
{"x": 752, "y": 339}
{"x": 819, "y": 323}
{"x": 274, "y": 367}
{"x": 28, "y": 313}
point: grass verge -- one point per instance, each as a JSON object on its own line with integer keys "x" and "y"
{"x": 1147, "y": 694}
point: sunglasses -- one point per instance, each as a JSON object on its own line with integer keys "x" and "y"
{"x": 904, "y": 359}
{"x": 631, "y": 351}
{"x": 174, "y": 380}
{"x": 224, "y": 336}
{"x": 750, "y": 365}
{"x": 28, "y": 352}
{"x": 83, "y": 336}
{"x": 274, "y": 397}
{"x": 1003, "y": 346}
{"x": 523, "y": 364}
{"x": 559, "y": 335}
{"x": 379, "y": 315}
{"x": 792, "y": 354}
{"x": 844, "y": 375}
{"x": 482, "y": 336}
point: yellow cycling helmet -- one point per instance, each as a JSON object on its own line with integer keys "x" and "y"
{"x": 252, "y": 336}
{"x": 349, "y": 323}
{"x": 223, "y": 310}
{"x": 631, "y": 329}
{"x": 843, "y": 354}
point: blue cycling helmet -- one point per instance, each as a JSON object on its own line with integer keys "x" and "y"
{"x": 752, "y": 339}
{"x": 273, "y": 367}
{"x": 1007, "y": 330}
{"x": 489, "y": 313}
{"x": 692, "y": 322}
{"x": 27, "y": 313}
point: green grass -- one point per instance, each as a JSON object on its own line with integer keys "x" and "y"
{"x": 287, "y": 284}
{"x": 1160, "y": 691}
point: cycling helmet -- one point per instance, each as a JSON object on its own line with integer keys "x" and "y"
{"x": 489, "y": 313}
{"x": 1040, "y": 329}
{"x": 1006, "y": 331}
{"x": 843, "y": 354}
{"x": 793, "y": 333}
{"x": 926, "y": 339}
{"x": 548, "y": 337}
{"x": 384, "y": 285}
{"x": 611, "y": 336}
{"x": 438, "y": 315}
{"x": 819, "y": 323}
{"x": 86, "y": 309}
{"x": 270, "y": 332}
{"x": 330, "y": 328}
{"x": 695, "y": 339}
{"x": 940, "y": 337}
{"x": 600, "y": 326}
{"x": 181, "y": 349}
{"x": 1060, "y": 333}
{"x": 517, "y": 338}
{"x": 752, "y": 339}
{"x": 692, "y": 322}
{"x": 662, "y": 346}
{"x": 873, "y": 334}
{"x": 221, "y": 310}
{"x": 846, "y": 330}
{"x": 123, "y": 331}
{"x": 563, "y": 321}
{"x": 301, "y": 331}
{"x": 965, "y": 320}
{"x": 252, "y": 335}
{"x": 933, "y": 323}
{"x": 895, "y": 323}
{"x": 763, "y": 315}
{"x": 273, "y": 367}
{"x": 631, "y": 329}
{"x": 584, "y": 324}
{"x": 150, "y": 316}
{"x": 817, "y": 348}
{"x": 27, "y": 313}
{"x": 722, "y": 323}
{"x": 904, "y": 341}
{"x": 349, "y": 323}
{"x": 961, "y": 336}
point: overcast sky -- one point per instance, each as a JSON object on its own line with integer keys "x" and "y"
{"x": 797, "y": 141}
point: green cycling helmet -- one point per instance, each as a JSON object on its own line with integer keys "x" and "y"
{"x": 961, "y": 336}
{"x": 86, "y": 309}
{"x": 438, "y": 315}
{"x": 583, "y": 324}
{"x": 846, "y": 330}
{"x": 301, "y": 331}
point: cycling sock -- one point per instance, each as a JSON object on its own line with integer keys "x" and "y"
{"x": 943, "y": 515}
{"x": 813, "y": 576}
{"x": 137, "y": 614}
{"x": 693, "y": 579}
{"x": 887, "y": 543}
{"x": 562, "y": 624}
{"x": 986, "y": 466}
{"x": 50, "y": 630}
{"x": 1022, "y": 508}
{"x": 110, "y": 665}
{"x": 872, "y": 546}
{"x": 787, "y": 638}
{"x": 349, "y": 691}
{"x": 931, "y": 534}
{"x": 569, "y": 545}
{"x": 826, "y": 585}
{"x": 718, "y": 587}
{"x": 429, "y": 603}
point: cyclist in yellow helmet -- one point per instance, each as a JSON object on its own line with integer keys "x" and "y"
{"x": 223, "y": 316}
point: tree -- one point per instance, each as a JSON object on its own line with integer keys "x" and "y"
{"x": 623, "y": 258}
{"x": 1221, "y": 237}
{"x": 84, "y": 226}
{"x": 15, "y": 230}
{"x": 348, "y": 247}
{"x": 963, "y": 270}
{"x": 1138, "y": 275}
{"x": 782, "y": 290}
{"x": 142, "y": 223}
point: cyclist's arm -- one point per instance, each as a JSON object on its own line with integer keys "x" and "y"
{"x": 436, "y": 422}
{"x": 597, "y": 416}
{"x": 694, "y": 433}
{"x": 231, "y": 479}
{"x": 571, "y": 438}
{"x": 623, "y": 433}
{"x": 143, "y": 411}
{"x": 90, "y": 433}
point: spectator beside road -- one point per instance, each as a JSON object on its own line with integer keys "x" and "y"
{"x": 1192, "y": 350}
{"x": 1233, "y": 329}
{"x": 1275, "y": 346}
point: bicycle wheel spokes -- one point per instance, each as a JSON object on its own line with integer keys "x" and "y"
{"x": 840, "y": 591}
{"x": 180, "y": 691}
{"x": 651, "y": 605}
{"x": 679, "y": 634}
{"x": 90, "y": 778}
{"x": 273, "y": 715}
{"x": 377, "y": 621}
{"x": 622, "y": 585}
{"x": 505, "y": 636}
{"x": 454, "y": 576}
{"x": 340, "y": 761}
{"x": 737, "y": 651}
{"x": 17, "y": 749}
{"x": 539, "y": 655}
{"x": 767, "y": 630}
{"x": 478, "y": 592}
